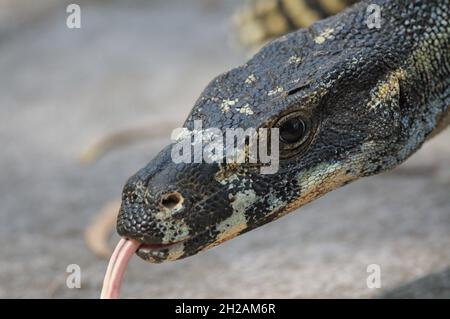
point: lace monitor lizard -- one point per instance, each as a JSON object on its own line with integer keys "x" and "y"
{"x": 357, "y": 101}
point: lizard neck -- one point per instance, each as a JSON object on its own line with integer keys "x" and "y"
{"x": 419, "y": 51}
{"x": 426, "y": 87}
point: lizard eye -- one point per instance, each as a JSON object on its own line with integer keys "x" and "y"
{"x": 292, "y": 130}
{"x": 295, "y": 133}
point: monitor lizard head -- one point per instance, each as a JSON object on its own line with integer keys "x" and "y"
{"x": 334, "y": 93}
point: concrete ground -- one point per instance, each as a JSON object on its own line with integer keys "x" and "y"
{"x": 140, "y": 63}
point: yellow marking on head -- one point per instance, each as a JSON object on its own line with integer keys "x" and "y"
{"x": 227, "y": 104}
{"x": 237, "y": 222}
{"x": 275, "y": 91}
{"x": 152, "y": 259}
{"x": 295, "y": 59}
{"x": 231, "y": 227}
{"x": 230, "y": 232}
{"x": 276, "y": 205}
{"x": 246, "y": 110}
{"x": 227, "y": 173}
{"x": 176, "y": 252}
{"x": 250, "y": 79}
{"x": 325, "y": 35}
{"x": 174, "y": 230}
{"x": 387, "y": 88}
{"x": 318, "y": 181}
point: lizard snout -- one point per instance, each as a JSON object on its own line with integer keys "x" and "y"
{"x": 177, "y": 209}
{"x": 151, "y": 214}
{"x": 162, "y": 203}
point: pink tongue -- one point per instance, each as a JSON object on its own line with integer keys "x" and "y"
{"x": 116, "y": 268}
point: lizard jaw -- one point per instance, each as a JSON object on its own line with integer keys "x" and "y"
{"x": 156, "y": 253}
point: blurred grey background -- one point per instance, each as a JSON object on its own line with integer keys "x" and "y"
{"x": 140, "y": 63}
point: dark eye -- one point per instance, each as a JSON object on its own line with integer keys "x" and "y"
{"x": 292, "y": 130}
{"x": 296, "y": 131}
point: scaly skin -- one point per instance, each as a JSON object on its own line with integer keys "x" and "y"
{"x": 371, "y": 97}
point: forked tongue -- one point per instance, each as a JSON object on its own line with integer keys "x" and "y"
{"x": 117, "y": 266}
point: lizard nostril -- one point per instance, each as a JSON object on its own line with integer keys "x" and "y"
{"x": 172, "y": 201}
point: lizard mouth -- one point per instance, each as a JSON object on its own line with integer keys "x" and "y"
{"x": 150, "y": 252}
{"x": 146, "y": 248}
{"x": 157, "y": 253}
